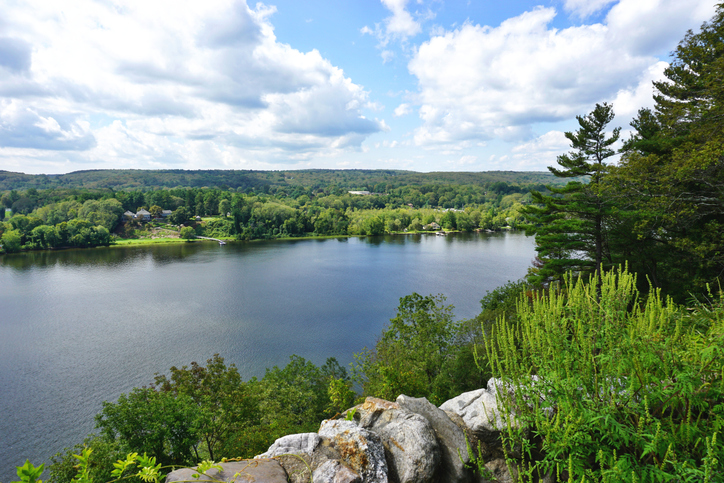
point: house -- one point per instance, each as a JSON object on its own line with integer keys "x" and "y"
{"x": 143, "y": 215}
{"x": 432, "y": 226}
{"x": 364, "y": 193}
{"x": 128, "y": 215}
{"x": 166, "y": 213}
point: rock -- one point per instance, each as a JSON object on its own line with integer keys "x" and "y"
{"x": 479, "y": 411}
{"x": 360, "y": 449}
{"x": 256, "y": 470}
{"x": 450, "y": 437}
{"x": 302, "y": 456}
{"x": 303, "y": 443}
{"x": 500, "y": 471}
{"x": 335, "y": 472}
{"x": 411, "y": 448}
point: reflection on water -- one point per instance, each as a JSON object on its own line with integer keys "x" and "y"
{"x": 78, "y": 327}
{"x": 109, "y": 257}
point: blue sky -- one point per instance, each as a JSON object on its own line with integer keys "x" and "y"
{"x": 424, "y": 85}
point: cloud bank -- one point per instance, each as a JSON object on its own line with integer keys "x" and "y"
{"x": 479, "y": 82}
{"x": 172, "y": 81}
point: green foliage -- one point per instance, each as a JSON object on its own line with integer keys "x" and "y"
{"x": 225, "y": 404}
{"x": 29, "y": 473}
{"x": 570, "y": 226}
{"x": 64, "y": 465}
{"x": 670, "y": 183}
{"x": 421, "y": 354}
{"x": 154, "y": 422}
{"x": 11, "y": 241}
{"x": 187, "y": 233}
{"x": 609, "y": 387}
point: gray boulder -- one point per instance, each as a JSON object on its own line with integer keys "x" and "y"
{"x": 360, "y": 449}
{"x": 245, "y": 471}
{"x": 411, "y": 448}
{"x": 451, "y": 438}
{"x": 335, "y": 472}
{"x": 303, "y": 443}
{"x": 479, "y": 410}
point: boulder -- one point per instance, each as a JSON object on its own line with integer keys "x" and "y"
{"x": 309, "y": 455}
{"x": 501, "y": 472}
{"x": 303, "y": 443}
{"x": 479, "y": 411}
{"x": 245, "y": 471}
{"x": 451, "y": 438}
{"x": 360, "y": 449}
{"x": 411, "y": 448}
{"x": 335, "y": 472}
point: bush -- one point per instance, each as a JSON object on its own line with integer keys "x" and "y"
{"x": 626, "y": 389}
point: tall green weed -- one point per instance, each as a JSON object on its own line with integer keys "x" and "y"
{"x": 607, "y": 386}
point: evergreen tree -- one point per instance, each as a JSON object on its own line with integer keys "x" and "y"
{"x": 671, "y": 178}
{"x": 570, "y": 225}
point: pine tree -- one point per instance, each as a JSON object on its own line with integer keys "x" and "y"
{"x": 671, "y": 177}
{"x": 570, "y": 225}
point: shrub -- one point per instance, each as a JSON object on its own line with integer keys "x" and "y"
{"x": 626, "y": 389}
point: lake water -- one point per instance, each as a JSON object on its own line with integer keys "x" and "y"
{"x": 79, "y": 327}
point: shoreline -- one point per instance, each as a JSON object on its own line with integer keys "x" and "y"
{"x": 143, "y": 242}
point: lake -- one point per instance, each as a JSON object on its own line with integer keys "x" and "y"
{"x": 78, "y": 327}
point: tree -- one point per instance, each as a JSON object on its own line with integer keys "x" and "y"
{"x": 224, "y": 207}
{"x": 11, "y": 241}
{"x": 157, "y": 423}
{"x": 223, "y": 399}
{"x": 180, "y": 216}
{"x": 187, "y": 233}
{"x": 570, "y": 226}
{"x": 155, "y": 211}
{"x": 671, "y": 177}
{"x": 411, "y": 355}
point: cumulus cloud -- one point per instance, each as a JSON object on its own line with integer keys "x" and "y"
{"x": 402, "y": 110}
{"x": 183, "y": 80}
{"x": 400, "y": 24}
{"x": 21, "y": 127}
{"x": 540, "y": 152}
{"x": 480, "y": 82}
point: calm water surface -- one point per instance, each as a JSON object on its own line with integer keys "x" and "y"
{"x": 83, "y": 326}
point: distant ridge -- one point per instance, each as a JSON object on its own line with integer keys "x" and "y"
{"x": 139, "y": 179}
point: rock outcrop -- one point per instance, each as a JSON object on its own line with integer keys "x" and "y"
{"x": 245, "y": 471}
{"x": 407, "y": 441}
{"x": 454, "y": 455}
{"x": 410, "y": 445}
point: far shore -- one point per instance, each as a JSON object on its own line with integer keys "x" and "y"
{"x": 125, "y": 242}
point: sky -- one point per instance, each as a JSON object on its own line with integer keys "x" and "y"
{"x": 422, "y": 85}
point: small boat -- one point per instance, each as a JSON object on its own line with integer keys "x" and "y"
{"x": 222, "y": 242}
{"x": 441, "y": 233}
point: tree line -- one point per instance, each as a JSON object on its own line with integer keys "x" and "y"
{"x": 81, "y": 218}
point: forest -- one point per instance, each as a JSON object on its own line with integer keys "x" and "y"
{"x": 614, "y": 343}
{"x": 83, "y": 217}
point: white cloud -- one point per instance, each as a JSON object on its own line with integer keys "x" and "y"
{"x": 400, "y": 24}
{"x": 185, "y": 80}
{"x": 538, "y": 153}
{"x": 628, "y": 101}
{"x": 584, "y": 8}
{"x": 479, "y": 82}
{"x": 654, "y": 27}
{"x": 402, "y": 110}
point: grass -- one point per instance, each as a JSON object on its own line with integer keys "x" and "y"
{"x": 147, "y": 241}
